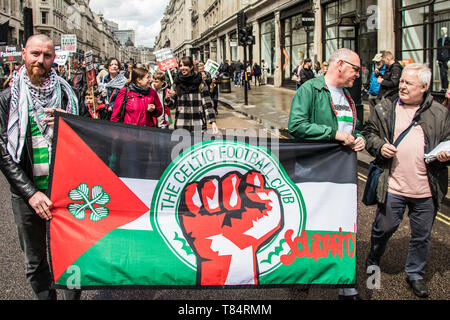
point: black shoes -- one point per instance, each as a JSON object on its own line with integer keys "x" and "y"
{"x": 419, "y": 287}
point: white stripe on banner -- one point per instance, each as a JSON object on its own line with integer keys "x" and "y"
{"x": 337, "y": 207}
{"x": 144, "y": 190}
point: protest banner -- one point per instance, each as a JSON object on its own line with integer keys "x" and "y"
{"x": 212, "y": 68}
{"x": 90, "y": 71}
{"x": 11, "y": 54}
{"x": 165, "y": 59}
{"x": 222, "y": 212}
{"x": 69, "y": 43}
{"x": 61, "y": 57}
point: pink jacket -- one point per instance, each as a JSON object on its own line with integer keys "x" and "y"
{"x": 136, "y": 108}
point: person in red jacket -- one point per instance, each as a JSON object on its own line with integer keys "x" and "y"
{"x": 142, "y": 108}
{"x": 142, "y": 105}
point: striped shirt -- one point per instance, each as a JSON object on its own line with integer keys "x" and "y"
{"x": 41, "y": 156}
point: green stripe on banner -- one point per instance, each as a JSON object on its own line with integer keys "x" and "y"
{"x": 40, "y": 155}
{"x": 130, "y": 257}
{"x": 324, "y": 267}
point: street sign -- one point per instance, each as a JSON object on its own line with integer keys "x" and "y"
{"x": 11, "y": 54}
{"x": 61, "y": 57}
{"x": 165, "y": 59}
{"x": 308, "y": 19}
{"x": 69, "y": 42}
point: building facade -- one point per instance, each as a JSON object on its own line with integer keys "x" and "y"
{"x": 57, "y": 17}
{"x": 288, "y": 31}
{"x": 12, "y": 11}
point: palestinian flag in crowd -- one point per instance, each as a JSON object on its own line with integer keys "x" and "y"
{"x": 147, "y": 207}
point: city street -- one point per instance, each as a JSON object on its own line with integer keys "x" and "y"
{"x": 393, "y": 284}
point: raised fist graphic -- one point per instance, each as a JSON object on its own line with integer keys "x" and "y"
{"x": 226, "y": 220}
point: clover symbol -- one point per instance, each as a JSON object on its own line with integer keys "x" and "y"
{"x": 98, "y": 197}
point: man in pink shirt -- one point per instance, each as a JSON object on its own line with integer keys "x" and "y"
{"x": 407, "y": 181}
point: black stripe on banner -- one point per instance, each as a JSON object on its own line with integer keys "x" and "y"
{"x": 318, "y": 162}
{"x": 144, "y": 153}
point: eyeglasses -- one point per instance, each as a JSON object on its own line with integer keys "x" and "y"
{"x": 355, "y": 67}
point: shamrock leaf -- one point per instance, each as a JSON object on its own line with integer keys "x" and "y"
{"x": 77, "y": 210}
{"x": 80, "y": 193}
{"x": 99, "y": 213}
{"x": 99, "y": 196}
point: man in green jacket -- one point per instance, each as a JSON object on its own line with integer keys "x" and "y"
{"x": 408, "y": 180}
{"x": 322, "y": 110}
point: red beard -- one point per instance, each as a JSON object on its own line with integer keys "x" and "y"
{"x": 37, "y": 76}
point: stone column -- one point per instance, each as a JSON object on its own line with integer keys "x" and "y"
{"x": 386, "y": 35}
{"x": 317, "y": 8}
{"x": 278, "y": 70}
{"x": 227, "y": 46}
{"x": 257, "y": 45}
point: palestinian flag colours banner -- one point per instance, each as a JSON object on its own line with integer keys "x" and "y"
{"x": 223, "y": 212}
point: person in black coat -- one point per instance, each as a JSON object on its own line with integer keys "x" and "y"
{"x": 389, "y": 82}
{"x": 306, "y": 72}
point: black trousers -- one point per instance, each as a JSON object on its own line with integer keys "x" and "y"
{"x": 422, "y": 213}
{"x": 31, "y": 231}
{"x": 443, "y": 72}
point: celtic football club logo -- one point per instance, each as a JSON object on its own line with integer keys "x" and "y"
{"x": 227, "y": 205}
{"x": 98, "y": 197}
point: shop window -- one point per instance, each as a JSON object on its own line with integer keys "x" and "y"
{"x": 346, "y": 6}
{"x": 331, "y": 13}
{"x": 420, "y": 38}
{"x": 298, "y": 44}
{"x": 268, "y": 44}
{"x": 406, "y": 3}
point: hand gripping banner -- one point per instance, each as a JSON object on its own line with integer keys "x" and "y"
{"x": 147, "y": 207}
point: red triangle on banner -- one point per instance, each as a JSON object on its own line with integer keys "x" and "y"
{"x": 75, "y": 164}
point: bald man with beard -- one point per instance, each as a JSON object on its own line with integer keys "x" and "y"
{"x": 26, "y": 130}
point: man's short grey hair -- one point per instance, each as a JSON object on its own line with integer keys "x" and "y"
{"x": 340, "y": 54}
{"x": 423, "y": 72}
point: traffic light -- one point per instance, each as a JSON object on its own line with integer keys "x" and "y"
{"x": 249, "y": 38}
{"x": 241, "y": 20}
{"x": 245, "y": 37}
{"x": 242, "y": 36}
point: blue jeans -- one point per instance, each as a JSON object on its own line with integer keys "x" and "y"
{"x": 422, "y": 213}
{"x": 237, "y": 78}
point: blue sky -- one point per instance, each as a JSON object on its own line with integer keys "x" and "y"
{"x": 143, "y": 16}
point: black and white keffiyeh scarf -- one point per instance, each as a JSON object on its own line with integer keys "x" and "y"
{"x": 26, "y": 97}
{"x": 118, "y": 82}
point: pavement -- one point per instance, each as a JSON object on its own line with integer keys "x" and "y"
{"x": 270, "y": 107}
